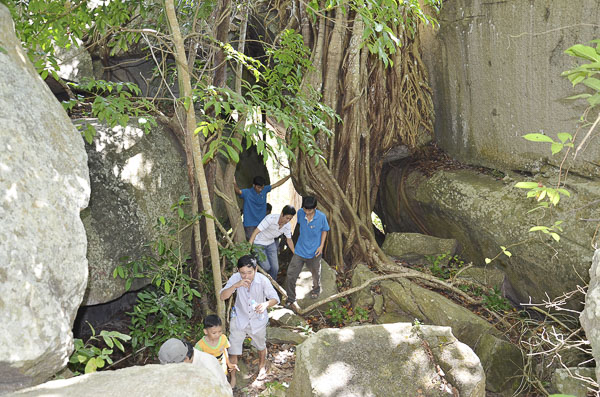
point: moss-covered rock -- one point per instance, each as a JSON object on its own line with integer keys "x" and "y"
{"x": 484, "y": 213}
{"x": 418, "y": 248}
{"x": 385, "y": 360}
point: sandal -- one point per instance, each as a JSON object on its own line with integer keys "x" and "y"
{"x": 314, "y": 295}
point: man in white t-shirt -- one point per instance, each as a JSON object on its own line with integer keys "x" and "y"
{"x": 263, "y": 237}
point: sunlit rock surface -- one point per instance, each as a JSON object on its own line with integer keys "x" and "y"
{"x": 43, "y": 187}
{"x": 495, "y": 68}
{"x": 135, "y": 178}
{"x": 181, "y": 380}
{"x": 386, "y": 360}
{"x": 590, "y": 317}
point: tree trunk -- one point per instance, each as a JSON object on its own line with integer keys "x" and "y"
{"x": 185, "y": 87}
{"x": 380, "y": 108}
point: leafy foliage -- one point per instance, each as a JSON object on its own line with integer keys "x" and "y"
{"x": 585, "y": 73}
{"x": 112, "y": 103}
{"x": 275, "y": 92}
{"x": 381, "y": 19}
{"x": 340, "y": 314}
{"x": 88, "y": 358}
{"x": 495, "y": 301}
{"x": 445, "y": 266}
{"x": 165, "y": 309}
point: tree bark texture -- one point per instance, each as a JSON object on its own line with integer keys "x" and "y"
{"x": 380, "y": 107}
{"x": 185, "y": 87}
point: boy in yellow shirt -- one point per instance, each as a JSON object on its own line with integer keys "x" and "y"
{"x": 215, "y": 343}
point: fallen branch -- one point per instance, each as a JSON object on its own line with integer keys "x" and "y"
{"x": 349, "y": 291}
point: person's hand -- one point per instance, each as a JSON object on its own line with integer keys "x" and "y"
{"x": 319, "y": 250}
{"x": 261, "y": 307}
{"x": 243, "y": 283}
{"x": 231, "y": 367}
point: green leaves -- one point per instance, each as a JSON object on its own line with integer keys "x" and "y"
{"x": 90, "y": 357}
{"x": 585, "y": 73}
{"x": 549, "y": 230}
{"x": 565, "y": 138}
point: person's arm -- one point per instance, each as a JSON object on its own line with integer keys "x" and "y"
{"x": 253, "y": 236}
{"x": 290, "y": 244}
{"x": 319, "y": 250}
{"x": 230, "y": 365}
{"x": 265, "y": 305}
{"x": 238, "y": 191}
{"x": 227, "y": 292}
{"x": 280, "y": 182}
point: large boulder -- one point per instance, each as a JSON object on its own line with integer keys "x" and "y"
{"x": 419, "y": 248}
{"x": 386, "y": 360}
{"x": 495, "y": 68}
{"x": 484, "y": 213}
{"x": 590, "y": 317}
{"x": 185, "y": 380}
{"x": 44, "y": 185}
{"x": 406, "y": 301}
{"x": 135, "y": 179}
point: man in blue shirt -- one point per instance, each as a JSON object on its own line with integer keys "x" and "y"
{"x": 255, "y": 202}
{"x": 309, "y": 248}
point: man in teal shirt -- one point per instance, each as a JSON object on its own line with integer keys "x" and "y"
{"x": 255, "y": 202}
{"x": 309, "y": 248}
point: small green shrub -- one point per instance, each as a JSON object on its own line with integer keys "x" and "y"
{"x": 165, "y": 308}
{"x": 339, "y": 315}
{"x": 443, "y": 270}
{"x": 495, "y": 301}
{"x": 88, "y": 358}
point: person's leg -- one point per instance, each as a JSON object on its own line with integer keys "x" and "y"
{"x": 236, "y": 340}
{"x": 259, "y": 341}
{"x": 233, "y": 358}
{"x": 248, "y": 231}
{"x": 293, "y": 272}
{"x": 314, "y": 265}
{"x": 262, "y": 364}
{"x": 271, "y": 252}
{"x": 264, "y": 261}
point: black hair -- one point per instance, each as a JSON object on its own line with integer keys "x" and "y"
{"x": 246, "y": 260}
{"x": 190, "y": 349}
{"x": 309, "y": 202}
{"x": 269, "y": 208}
{"x": 259, "y": 180}
{"x": 212, "y": 321}
{"x": 288, "y": 210}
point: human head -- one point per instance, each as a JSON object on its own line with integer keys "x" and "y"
{"x": 213, "y": 327}
{"x": 287, "y": 213}
{"x": 259, "y": 183}
{"x": 309, "y": 203}
{"x": 247, "y": 267}
{"x": 175, "y": 351}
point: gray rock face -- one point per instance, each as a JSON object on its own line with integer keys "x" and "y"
{"x": 285, "y": 335}
{"x": 43, "y": 186}
{"x": 406, "y": 301}
{"x": 565, "y": 381}
{"x": 135, "y": 179}
{"x": 483, "y": 213}
{"x": 385, "y": 360}
{"x": 75, "y": 63}
{"x": 495, "y": 71}
{"x": 416, "y": 248}
{"x": 590, "y": 317}
{"x": 185, "y": 380}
